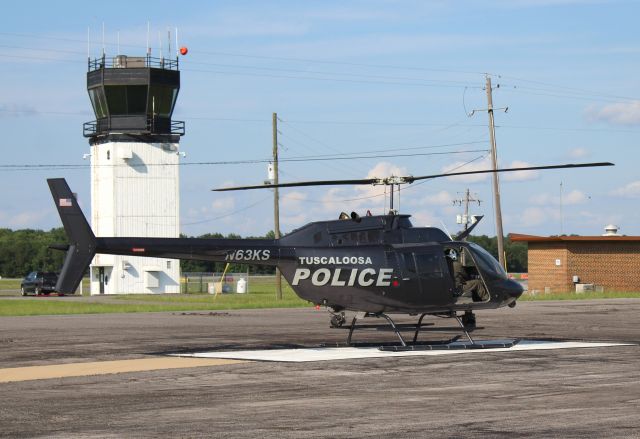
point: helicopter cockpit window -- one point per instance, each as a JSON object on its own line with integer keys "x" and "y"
{"x": 409, "y": 263}
{"x": 487, "y": 262}
{"x": 429, "y": 265}
{"x": 373, "y": 236}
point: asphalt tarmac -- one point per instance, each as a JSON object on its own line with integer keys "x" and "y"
{"x": 592, "y": 392}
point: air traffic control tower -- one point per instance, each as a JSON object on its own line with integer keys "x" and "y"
{"x": 134, "y": 168}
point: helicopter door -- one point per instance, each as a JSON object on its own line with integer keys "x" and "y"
{"x": 425, "y": 276}
{"x": 435, "y": 283}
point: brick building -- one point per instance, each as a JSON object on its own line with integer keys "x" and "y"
{"x": 611, "y": 262}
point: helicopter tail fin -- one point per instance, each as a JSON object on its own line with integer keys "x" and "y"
{"x": 462, "y": 235}
{"x": 82, "y": 241}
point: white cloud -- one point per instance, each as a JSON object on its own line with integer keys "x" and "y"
{"x": 631, "y": 190}
{"x": 293, "y": 221}
{"x": 442, "y": 198}
{"x": 380, "y": 170}
{"x": 570, "y": 198}
{"x": 622, "y": 113}
{"x": 578, "y": 153}
{"x": 535, "y": 216}
{"x": 485, "y": 164}
{"x": 519, "y": 175}
{"x": 224, "y": 204}
{"x": 424, "y": 219}
{"x": 574, "y": 197}
{"x": 292, "y": 201}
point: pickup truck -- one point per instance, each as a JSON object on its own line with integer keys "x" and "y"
{"x": 39, "y": 282}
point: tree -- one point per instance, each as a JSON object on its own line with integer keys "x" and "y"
{"x": 516, "y": 251}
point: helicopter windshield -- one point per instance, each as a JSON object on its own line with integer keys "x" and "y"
{"x": 487, "y": 262}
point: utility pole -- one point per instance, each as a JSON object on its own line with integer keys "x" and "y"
{"x": 496, "y": 183}
{"x": 276, "y": 201}
{"x": 465, "y": 201}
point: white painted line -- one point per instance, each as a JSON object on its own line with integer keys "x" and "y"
{"x": 349, "y": 353}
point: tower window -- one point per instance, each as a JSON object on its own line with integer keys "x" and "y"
{"x": 126, "y": 99}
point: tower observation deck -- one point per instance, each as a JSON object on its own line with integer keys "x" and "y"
{"x": 135, "y": 159}
{"x": 133, "y": 96}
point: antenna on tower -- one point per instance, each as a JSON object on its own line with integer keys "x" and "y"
{"x": 103, "y": 39}
{"x": 88, "y": 42}
{"x": 160, "y": 43}
{"x": 169, "y": 41}
{"x": 177, "y": 46}
{"x": 118, "y": 39}
{"x": 148, "y": 30}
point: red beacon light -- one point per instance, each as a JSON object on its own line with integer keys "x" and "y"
{"x": 184, "y": 50}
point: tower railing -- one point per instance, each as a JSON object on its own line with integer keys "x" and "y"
{"x": 123, "y": 61}
{"x": 133, "y": 124}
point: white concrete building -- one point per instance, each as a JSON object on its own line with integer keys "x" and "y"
{"x": 134, "y": 169}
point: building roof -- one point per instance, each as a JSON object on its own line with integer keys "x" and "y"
{"x": 533, "y": 238}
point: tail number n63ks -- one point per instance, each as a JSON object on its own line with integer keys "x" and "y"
{"x": 248, "y": 255}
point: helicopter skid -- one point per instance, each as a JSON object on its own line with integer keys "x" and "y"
{"x": 417, "y": 328}
{"x": 452, "y": 345}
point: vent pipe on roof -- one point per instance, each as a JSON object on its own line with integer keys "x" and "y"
{"x": 611, "y": 230}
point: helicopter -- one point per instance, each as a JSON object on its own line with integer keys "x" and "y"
{"x": 373, "y": 265}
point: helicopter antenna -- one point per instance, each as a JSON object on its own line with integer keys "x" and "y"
{"x": 446, "y": 230}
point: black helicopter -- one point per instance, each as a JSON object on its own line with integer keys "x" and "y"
{"x": 373, "y": 264}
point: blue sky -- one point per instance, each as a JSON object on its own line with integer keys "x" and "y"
{"x": 375, "y": 77}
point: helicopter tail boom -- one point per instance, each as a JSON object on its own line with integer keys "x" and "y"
{"x": 83, "y": 244}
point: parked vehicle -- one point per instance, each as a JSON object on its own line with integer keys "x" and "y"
{"x": 39, "y": 282}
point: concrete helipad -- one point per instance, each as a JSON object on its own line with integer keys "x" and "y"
{"x": 352, "y": 353}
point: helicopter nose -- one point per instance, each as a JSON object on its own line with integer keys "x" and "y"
{"x": 513, "y": 288}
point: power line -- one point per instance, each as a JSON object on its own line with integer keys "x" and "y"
{"x": 41, "y": 167}
{"x": 36, "y": 112}
{"x": 325, "y": 79}
{"x": 413, "y": 148}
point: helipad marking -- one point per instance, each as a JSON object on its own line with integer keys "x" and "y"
{"x": 105, "y": 367}
{"x": 349, "y": 353}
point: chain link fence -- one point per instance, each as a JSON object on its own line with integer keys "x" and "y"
{"x": 197, "y": 283}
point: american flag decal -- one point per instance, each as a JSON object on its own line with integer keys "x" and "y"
{"x": 65, "y": 202}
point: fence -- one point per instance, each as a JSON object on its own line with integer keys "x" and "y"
{"x": 208, "y": 282}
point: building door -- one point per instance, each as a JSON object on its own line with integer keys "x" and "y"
{"x": 101, "y": 279}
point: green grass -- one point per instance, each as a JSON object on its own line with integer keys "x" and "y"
{"x": 591, "y": 295}
{"x": 10, "y": 284}
{"x": 264, "y": 297}
{"x": 10, "y": 287}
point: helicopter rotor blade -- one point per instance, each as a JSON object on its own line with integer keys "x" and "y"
{"x": 300, "y": 183}
{"x": 408, "y": 179}
{"x": 527, "y": 168}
